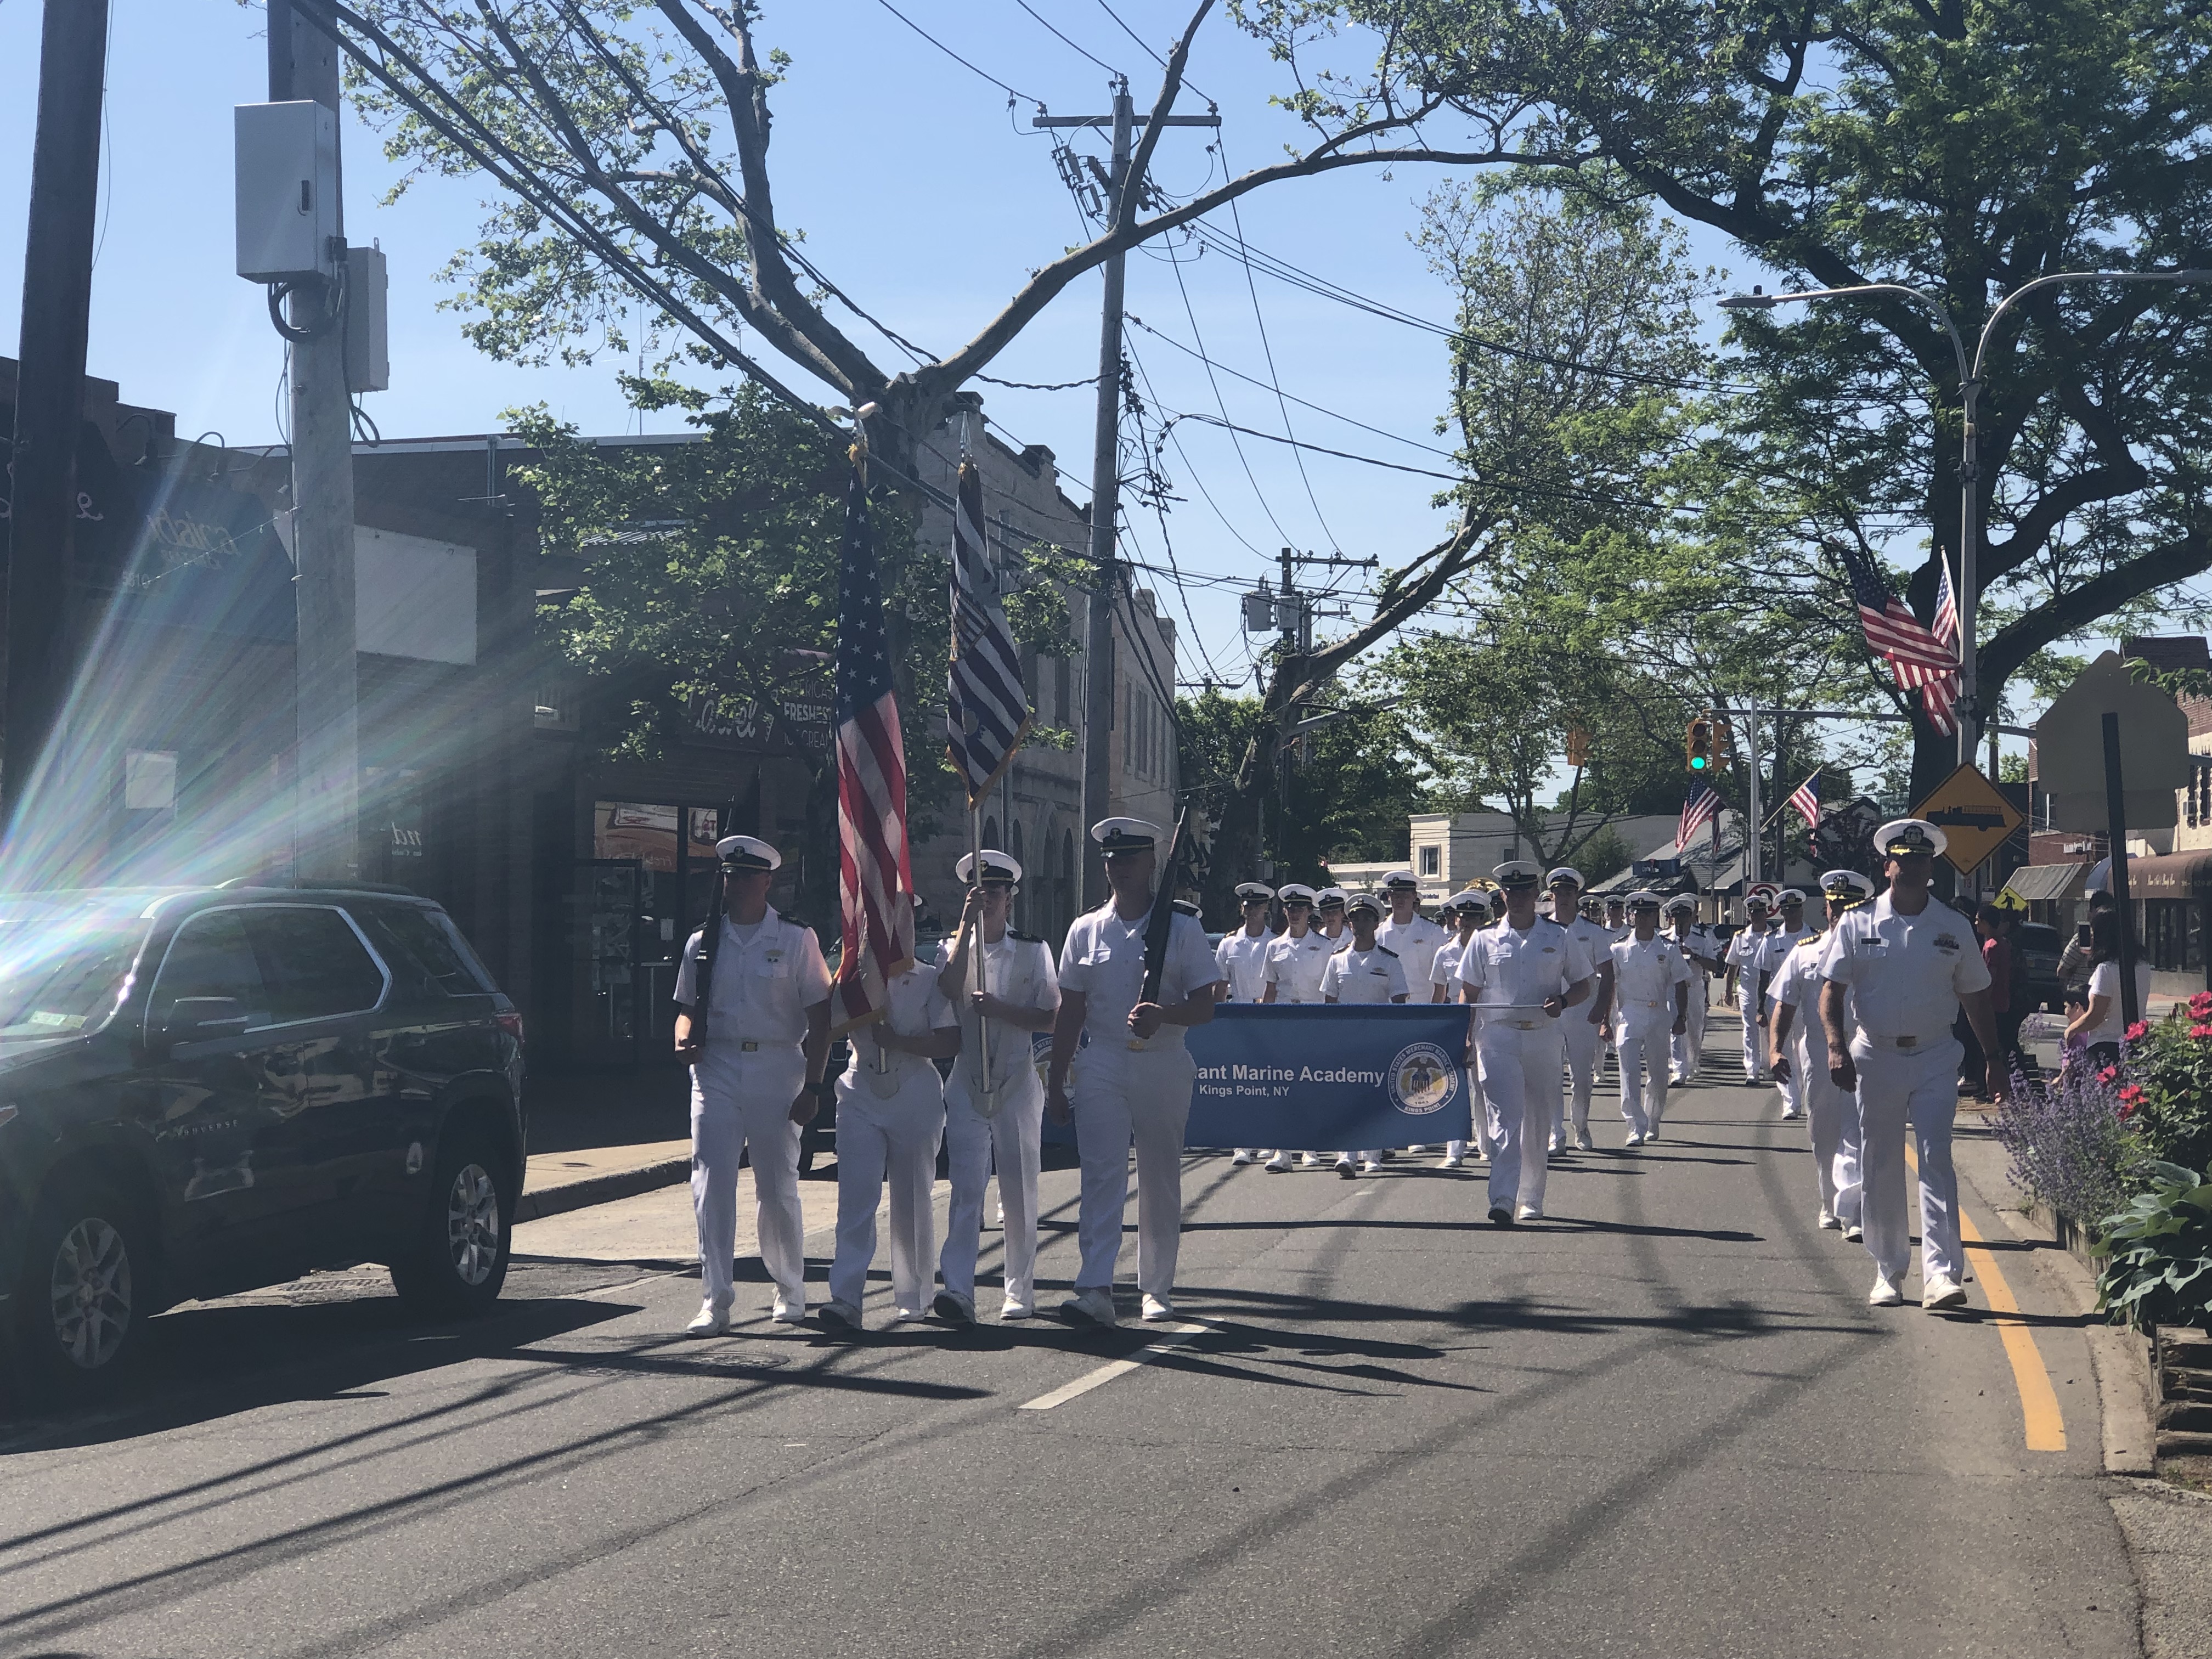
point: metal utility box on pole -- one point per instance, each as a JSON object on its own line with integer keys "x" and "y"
{"x": 42, "y": 507}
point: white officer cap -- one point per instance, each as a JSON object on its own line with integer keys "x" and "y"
{"x": 1612, "y": 901}
{"x": 1469, "y": 899}
{"x": 1518, "y": 873}
{"x": 1643, "y": 899}
{"x": 1565, "y": 872}
{"x": 997, "y": 867}
{"x": 1295, "y": 892}
{"x": 748, "y": 853}
{"x": 1366, "y": 902}
{"x": 1905, "y": 838}
{"x": 1401, "y": 879}
{"x": 1329, "y": 895}
{"x": 1757, "y": 896}
{"x": 1788, "y": 896}
{"x": 1125, "y": 836}
{"x": 1683, "y": 901}
{"x": 1846, "y": 887}
{"x": 1248, "y": 891}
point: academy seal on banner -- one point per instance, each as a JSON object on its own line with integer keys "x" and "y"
{"x": 1273, "y": 1075}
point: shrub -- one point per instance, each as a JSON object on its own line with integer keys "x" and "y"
{"x": 2070, "y": 1141}
{"x": 2166, "y": 1100}
{"x": 2158, "y": 1252}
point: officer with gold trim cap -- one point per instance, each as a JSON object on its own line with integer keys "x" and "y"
{"x": 1798, "y": 1046}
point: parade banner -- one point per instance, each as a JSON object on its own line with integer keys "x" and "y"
{"x": 1330, "y": 1077}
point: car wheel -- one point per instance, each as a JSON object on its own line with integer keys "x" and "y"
{"x": 458, "y": 1261}
{"x": 85, "y": 1293}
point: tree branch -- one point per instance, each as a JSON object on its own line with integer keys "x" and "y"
{"x": 2000, "y": 657}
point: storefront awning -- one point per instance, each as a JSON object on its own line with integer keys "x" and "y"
{"x": 2172, "y": 875}
{"x": 2036, "y": 884}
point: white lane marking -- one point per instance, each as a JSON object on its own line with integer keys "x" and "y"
{"x": 1178, "y": 1334}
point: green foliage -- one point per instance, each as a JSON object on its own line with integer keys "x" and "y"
{"x": 1605, "y": 854}
{"x": 2158, "y": 1253}
{"x": 2166, "y": 1098}
{"x": 1036, "y": 609}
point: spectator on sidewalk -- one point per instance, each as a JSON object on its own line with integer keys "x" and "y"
{"x": 2101, "y": 1023}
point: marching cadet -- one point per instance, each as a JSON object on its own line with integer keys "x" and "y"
{"x": 1409, "y": 935}
{"x": 1295, "y": 963}
{"x": 1328, "y": 914}
{"x": 1520, "y": 977}
{"x": 1363, "y": 971}
{"x": 1584, "y": 1032}
{"x": 1242, "y": 959}
{"x": 1788, "y": 931}
{"x": 1133, "y": 1078}
{"x": 999, "y": 1120}
{"x": 1616, "y": 916}
{"x": 1469, "y": 910}
{"x": 752, "y": 1022}
{"x": 1743, "y": 956}
{"x": 1904, "y": 966}
{"x": 1799, "y": 1042}
{"x": 1647, "y": 994}
{"x": 1702, "y": 952}
{"x": 890, "y": 1118}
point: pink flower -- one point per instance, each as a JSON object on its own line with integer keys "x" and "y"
{"x": 2200, "y": 1005}
{"x": 2128, "y": 1108}
{"x": 2201, "y": 1030}
{"x": 2108, "y": 1074}
{"x": 2141, "y": 1029}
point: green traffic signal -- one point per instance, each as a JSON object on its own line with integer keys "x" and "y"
{"x": 1698, "y": 762}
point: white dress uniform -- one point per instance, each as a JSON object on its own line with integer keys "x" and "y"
{"x": 1703, "y": 950}
{"x": 1742, "y": 955}
{"x": 1242, "y": 960}
{"x": 1354, "y": 975}
{"x": 1508, "y": 973}
{"x": 1294, "y": 966}
{"x": 889, "y": 1124}
{"x": 1415, "y": 943}
{"x": 1906, "y": 974}
{"x": 1833, "y": 1112}
{"x": 1121, "y": 1087}
{"x": 1002, "y": 1129}
{"x": 750, "y": 1069}
{"x": 1584, "y": 1042}
{"x": 1443, "y": 973}
{"x": 1774, "y": 952}
{"x": 1644, "y": 977}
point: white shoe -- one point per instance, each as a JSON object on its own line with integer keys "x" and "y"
{"x": 1942, "y": 1292}
{"x": 1855, "y": 1234}
{"x": 1417, "y": 1152}
{"x": 1829, "y": 1223}
{"x": 1308, "y": 1160}
{"x": 1090, "y": 1307}
{"x": 955, "y": 1309}
{"x": 1789, "y": 1112}
{"x": 1371, "y": 1166}
{"x": 1242, "y": 1156}
{"x": 1582, "y": 1141}
{"x": 1528, "y": 1212}
{"x": 1011, "y": 1309}
{"x": 1650, "y": 1135}
{"x": 1346, "y": 1168}
{"x": 1156, "y": 1309}
{"x": 1450, "y": 1161}
{"x": 712, "y": 1320}
{"x": 1482, "y": 1155}
{"x": 1884, "y": 1294}
{"x": 1556, "y": 1143}
{"x": 1634, "y": 1138}
{"x": 787, "y": 1312}
{"x": 841, "y": 1316}
{"x": 1279, "y": 1164}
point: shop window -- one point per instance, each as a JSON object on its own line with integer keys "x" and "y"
{"x": 1431, "y": 861}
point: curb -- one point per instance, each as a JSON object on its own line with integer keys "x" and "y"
{"x": 601, "y": 1189}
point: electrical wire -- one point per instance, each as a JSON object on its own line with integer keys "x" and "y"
{"x": 1011, "y": 92}
{"x": 1145, "y": 46}
{"x": 1070, "y": 44}
{"x": 1244, "y": 461}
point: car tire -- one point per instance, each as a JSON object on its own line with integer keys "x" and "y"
{"x": 458, "y": 1262}
{"x": 85, "y": 1294}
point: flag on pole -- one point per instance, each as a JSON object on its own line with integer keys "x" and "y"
{"x": 987, "y": 709}
{"x": 1920, "y": 658}
{"x": 1701, "y": 808}
{"x": 875, "y": 879}
{"x": 1806, "y": 798}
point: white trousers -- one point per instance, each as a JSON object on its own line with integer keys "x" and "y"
{"x": 740, "y": 1100}
{"x": 1121, "y": 1094}
{"x": 1687, "y": 1047}
{"x": 1585, "y": 1047}
{"x": 1009, "y": 1140}
{"x": 887, "y": 1142}
{"x": 1754, "y": 1034}
{"x": 1921, "y": 1089}
{"x": 1521, "y": 1081}
{"x": 1835, "y": 1124}
{"x": 1645, "y": 1045}
{"x": 1792, "y": 1088}
{"x": 1478, "y": 1117}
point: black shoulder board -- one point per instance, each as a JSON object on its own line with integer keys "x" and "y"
{"x": 1388, "y": 952}
{"x": 1184, "y": 907}
{"x": 1026, "y": 938}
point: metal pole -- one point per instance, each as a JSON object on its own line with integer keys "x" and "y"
{"x": 979, "y": 951}
{"x": 2115, "y": 813}
{"x": 1751, "y": 865}
{"x": 42, "y": 507}
{"x": 1970, "y": 464}
{"x": 327, "y": 835}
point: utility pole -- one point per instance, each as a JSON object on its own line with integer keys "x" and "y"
{"x": 303, "y": 63}
{"x": 1106, "y": 480}
{"x": 42, "y": 505}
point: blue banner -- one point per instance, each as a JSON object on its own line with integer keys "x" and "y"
{"x": 1330, "y": 1077}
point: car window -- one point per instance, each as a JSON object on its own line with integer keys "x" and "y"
{"x": 314, "y": 962}
{"x": 425, "y": 953}
{"x": 59, "y": 977}
{"x": 210, "y": 957}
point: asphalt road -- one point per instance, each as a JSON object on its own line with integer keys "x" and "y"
{"x": 1663, "y": 1422}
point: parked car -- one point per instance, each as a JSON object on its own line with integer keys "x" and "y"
{"x": 207, "y": 1090}
{"x": 2039, "y": 947}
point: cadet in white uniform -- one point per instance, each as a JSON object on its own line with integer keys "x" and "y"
{"x": 998, "y": 1121}
{"x": 752, "y": 1021}
{"x": 1521, "y": 976}
{"x": 1907, "y": 964}
{"x": 1742, "y": 955}
{"x": 1800, "y": 1044}
{"x": 1703, "y": 952}
{"x": 1648, "y": 998}
{"x": 1410, "y": 936}
{"x": 1242, "y": 959}
{"x": 1789, "y": 932}
{"x": 1585, "y": 1031}
{"x": 1468, "y": 910}
{"x": 1295, "y": 963}
{"x": 1133, "y": 1078}
{"x": 1328, "y": 914}
{"x": 891, "y": 1119}
{"x": 1363, "y": 969}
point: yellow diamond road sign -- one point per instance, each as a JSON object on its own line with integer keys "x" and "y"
{"x": 1972, "y": 814}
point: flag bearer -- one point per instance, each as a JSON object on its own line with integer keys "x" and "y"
{"x": 1363, "y": 971}
{"x": 1743, "y": 956}
{"x": 752, "y": 1021}
{"x": 996, "y": 1121}
{"x": 1583, "y": 1029}
{"x": 1800, "y": 1044}
{"x": 1703, "y": 951}
{"x": 1903, "y": 967}
{"x": 1242, "y": 959}
{"x": 1648, "y": 996}
{"x": 1133, "y": 1078}
{"x": 1295, "y": 963}
{"x": 1521, "y": 976}
{"x": 1789, "y": 932}
{"x": 1410, "y": 936}
{"x": 1467, "y": 910}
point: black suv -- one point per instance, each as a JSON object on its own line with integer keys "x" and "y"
{"x": 209, "y": 1090}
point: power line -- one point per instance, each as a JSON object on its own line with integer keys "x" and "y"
{"x": 1011, "y": 92}
{"x": 1147, "y": 47}
{"x": 1070, "y": 44}
{"x": 1189, "y": 311}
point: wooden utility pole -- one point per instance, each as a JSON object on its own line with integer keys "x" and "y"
{"x": 50, "y": 385}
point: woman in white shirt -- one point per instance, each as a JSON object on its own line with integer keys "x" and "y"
{"x": 2099, "y": 1026}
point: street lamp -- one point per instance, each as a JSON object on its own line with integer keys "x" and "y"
{"x": 1970, "y": 393}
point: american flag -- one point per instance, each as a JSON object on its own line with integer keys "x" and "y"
{"x": 1697, "y": 810}
{"x": 1806, "y": 798}
{"x": 987, "y": 711}
{"x": 874, "y": 878}
{"x": 1920, "y": 658}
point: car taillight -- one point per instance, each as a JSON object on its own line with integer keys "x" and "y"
{"x": 510, "y": 1022}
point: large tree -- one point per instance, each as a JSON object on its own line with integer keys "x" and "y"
{"x": 1963, "y": 147}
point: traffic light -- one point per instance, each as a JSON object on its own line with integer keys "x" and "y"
{"x": 1723, "y": 742}
{"x": 1698, "y": 746}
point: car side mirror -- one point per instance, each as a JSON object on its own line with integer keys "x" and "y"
{"x": 199, "y": 1019}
